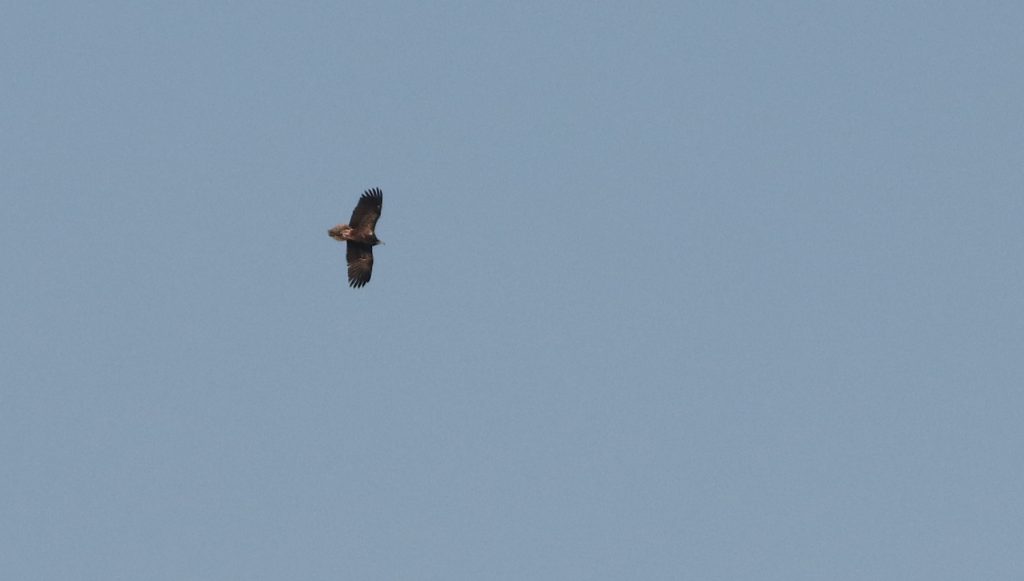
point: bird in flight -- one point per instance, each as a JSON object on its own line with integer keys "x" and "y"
{"x": 358, "y": 234}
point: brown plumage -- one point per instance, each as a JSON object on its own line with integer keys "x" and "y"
{"x": 360, "y": 237}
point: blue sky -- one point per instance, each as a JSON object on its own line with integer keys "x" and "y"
{"x": 670, "y": 291}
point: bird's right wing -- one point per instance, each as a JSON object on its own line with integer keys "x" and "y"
{"x": 367, "y": 210}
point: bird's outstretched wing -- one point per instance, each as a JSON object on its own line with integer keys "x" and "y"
{"x": 364, "y": 217}
{"x": 360, "y": 263}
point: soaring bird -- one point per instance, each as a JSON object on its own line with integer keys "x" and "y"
{"x": 360, "y": 237}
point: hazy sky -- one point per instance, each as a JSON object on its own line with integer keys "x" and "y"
{"x": 710, "y": 291}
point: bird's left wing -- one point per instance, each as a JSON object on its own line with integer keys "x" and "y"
{"x": 360, "y": 263}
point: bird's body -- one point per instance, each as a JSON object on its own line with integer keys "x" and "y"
{"x": 360, "y": 237}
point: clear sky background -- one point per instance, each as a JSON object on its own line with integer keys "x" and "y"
{"x": 718, "y": 290}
